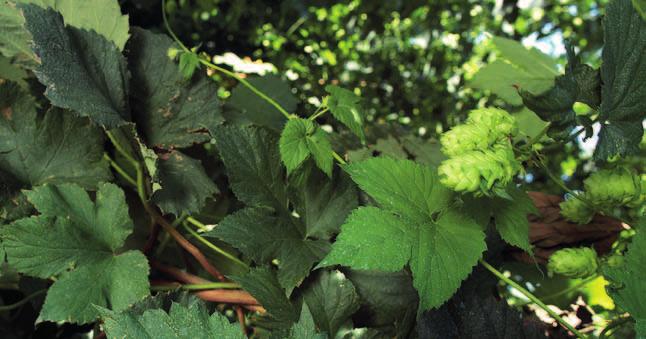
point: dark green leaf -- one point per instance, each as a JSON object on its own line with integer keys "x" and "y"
{"x": 258, "y": 110}
{"x": 184, "y": 184}
{"x": 252, "y": 160}
{"x": 305, "y": 327}
{"x": 82, "y": 70}
{"x": 623, "y": 75}
{"x": 263, "y": 285}
{"x": 300, "y": 139}
{"x": 331, "y": 299}
{"x": 53, "y": 148}
{"x": 170, "y": 111}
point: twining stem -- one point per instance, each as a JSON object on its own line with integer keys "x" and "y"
{"x": 196, "y": 287}
{"x": 562, "y": 185}
{"x": 243, "y": 81}
{"x": 569, "y": 289}
{"x": 120, "y": 170}
{"x": 318, "y": 114}
{"x": 531, "y": 297}
{"x": 197, "y": 223}
{"x": 613, "y": 324}
{"x": 214, "y": 247}
{"x": 25, "y": 300}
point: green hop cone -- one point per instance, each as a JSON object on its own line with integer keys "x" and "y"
{"x": 575, "y": 210}
{"x": 496, "y": 120}
{"x": 480, "y": 171}
{"x": 573, "y": 262}
{"x": 484, "y": 128}
{"x": 619, "y": 186}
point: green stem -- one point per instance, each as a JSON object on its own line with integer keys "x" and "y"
{"x": 25, "y": 300}
{"x": 318, "y": 114}
{"x": 531, "y": 297}
{"x": 214, "y": 247}
{"x": 120, "y": 149}
{"x": 197, "y": 223}
{"x": 194, "y": 287}
{"x": 568, "y": 290}
{"x": 120, "y": 170}
{"x": 338, "y": 158}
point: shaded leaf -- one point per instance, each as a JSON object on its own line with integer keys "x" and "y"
{"x": 170, "y": 110}
{"x": 184, "y": 184}
{"x": 300, "y": 139}
{"x": 54, "y": 147}
{"x": 331, "y": 299}
{"x": 82, "y": 70}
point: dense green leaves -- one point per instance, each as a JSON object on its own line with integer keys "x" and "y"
{"x": 184, "y": 184}
{"x": 345, "y": 106}
{"x": 81, "y": 69}
{"x": 300, "y": 139}
{"x": 74, "y": 231}
{"x": 511, "y": 218}
{"x": 305, "y": 327}
{"x": 413, "y": 226}
{"x": 258, "y": 110}
{"x": 170, "y": 111}
{"x": 257, "y": 178}
{"x": 181, "y": 321}
{"x": 53, "y": 147}
{"x": 623, "y": 75}
{"x": 630, "y": 289}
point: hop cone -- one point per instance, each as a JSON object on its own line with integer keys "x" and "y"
{"x": 498, "y": 121}
{"x": 573, "y": 262}
{"x": 575, "y": 210}
{"x": 619, "y": 186}
{"x": 484, "y": 128}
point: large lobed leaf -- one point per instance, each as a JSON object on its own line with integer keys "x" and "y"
{"x": 412, "y": 226}
{"x": 78, "y": 240}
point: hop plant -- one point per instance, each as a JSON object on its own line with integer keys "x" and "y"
{"x": 498, "y": 121}
{"x": 573, "y": 262}
{"x": 476, "y": 171}
{"x": 619, "y": 186}
{"x": 575, "y": 210}
{"x": 484, "y": 128}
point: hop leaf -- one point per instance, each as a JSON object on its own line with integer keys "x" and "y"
{"x": 575, "y": 210}
{"x": 619, "y": 186}
{"x": 573, "y": 262}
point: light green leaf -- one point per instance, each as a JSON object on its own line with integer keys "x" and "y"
{"x": 170, "y": 110}
{"x": 102, "y": 16}
{"x": 630, "y": 289}
{"x": 300, "y": 139}
{"x": 184, "y": 184}
{"x": 263, "y": 285}
{"x": 516, "y": 66}
{"x": 444, "y": 254}
{"x": 305, "y": 327}
{"x": 54, "y": 147}
{"x": 332, "y": 300}
{"x": 623, "y": 76}
{"x": 180, "y": 322}
{"x": 11, "y": 72}
{"x": 14, "y": 38}
{"x": 402, "y": 186}
{"x": 81, "y": 70}
{"x": 345, "y": 107}
{"x": 253, "y": 165}
{"x": 73, "y": 231}
{"x": 258, "y": 110}
{"x": 372, "y": 239}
